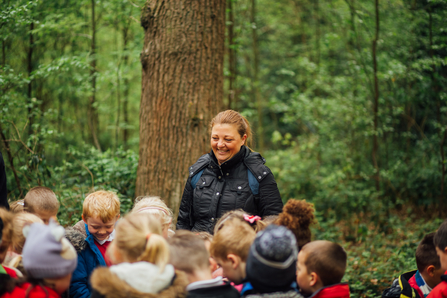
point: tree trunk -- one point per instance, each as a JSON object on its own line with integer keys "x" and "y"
{"x": 376, "y": 100}
{"x": 93, "y": 119}
{"x": 30, "y": 86}
{"x": 182, "y": 89}
{"x": 255, "y": 78}
{"x": 232, "y": 101}
{"x": 125, "y": 32}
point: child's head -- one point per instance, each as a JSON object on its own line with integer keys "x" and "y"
{"x": 48, "y": 257}
{"x": 100, "y": 211}
{"x": 156, "y": 207}
{"x": 271, "y": 264}
{"x": 320, "y": 263}
{"x": 17, "y": 206}
{"x": 139, "y": 238}
{"x": 5, "y": 233}
{"x": 19, "y": 221}
{"x": 208, "y": 239}
{"x": 189, "y": 254}
{"x": 42, "y": 202}
{"x": 428, "y": 262}
{"x": 440, "y": 241}
{"x": 254, "y": 221}
{"x": 298, "y": 215}
{"x": 230, "y": 248}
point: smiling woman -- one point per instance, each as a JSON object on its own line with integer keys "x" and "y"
{"x": 230, "y": 177}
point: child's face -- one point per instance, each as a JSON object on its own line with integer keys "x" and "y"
{"x": 232, "y": 268}
{"x": 303, "y": 278}
{"x": 99, "y": 229}
{"x": 442, "y": 258}
{"x": 45, "y": 215}
{"x": 60, "y": 285}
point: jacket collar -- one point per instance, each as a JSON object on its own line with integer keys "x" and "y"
{"x": 233, "y": 161}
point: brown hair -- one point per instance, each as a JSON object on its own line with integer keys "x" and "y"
{"x": 257, "y": 225}
{"x": 235, "y": 237}
{"x": 17, "y": 206}
{"x": 6, "y": 238}
{"x": 297, "y": 216}
{"x": 188, "y": 252}
{"x": 233, "y": 118}
{"x": 139, "y": 238}
{"x": 19, "y": 221}
{"x": 426, "y": 253}
{"x": 40, "y": 198}
{"x": 101, "y": 204}
{"x": 205, "y": 236}
{"x": 327, "y": 259}
{"x": 440, "y": 238}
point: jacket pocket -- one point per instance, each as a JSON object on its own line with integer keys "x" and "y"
{"x": 202, "y": 196}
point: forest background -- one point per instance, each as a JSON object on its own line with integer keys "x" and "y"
{"x": 347, "y": 98}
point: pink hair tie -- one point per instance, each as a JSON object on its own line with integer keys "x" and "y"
{"x": 149, "y": 208}
{"x": 251, "y": 218}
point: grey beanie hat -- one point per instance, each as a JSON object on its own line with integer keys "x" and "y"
{"x": 46, "y": 253}
{"x": 271, "y": 262}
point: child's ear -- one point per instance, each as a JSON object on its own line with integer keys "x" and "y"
{"x": 430, "y": 270}
{"x": 83, "y": 218}
{"x": 235, "y": 260}
{"x": 313, "y": 279}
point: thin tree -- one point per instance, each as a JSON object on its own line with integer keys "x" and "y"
{"x": 376, "y": 99}
{"x": 182, "y": 89}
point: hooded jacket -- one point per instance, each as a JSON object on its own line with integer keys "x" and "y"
{"x": 402, "y": 288}
{"x": 333, "y": 291}
{"x": 440, "y": 291}
{"x": 226, "y": 187}
{"x": 141, "y": 279}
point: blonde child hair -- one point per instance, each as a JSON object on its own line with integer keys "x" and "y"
{"x": 101, "y": 204}
{"x": 154, "y": 205}
{"x": 19, "y": 221}
{"x": 41, "y": 198}
{"x": 6, "y": 238}
{"x": 234, "y": 237}
{"x": 138, "y": 238}
{"x": 255, "y": 222}
{"x": 17, "y": 206}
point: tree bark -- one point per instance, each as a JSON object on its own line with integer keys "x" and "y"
{"x": 232, "y": 100}
{"x": 255, "y": 78}
{"x": 182, "y": 89}
{"x": 376, "y": 100}
{"x": 30, "y": 86}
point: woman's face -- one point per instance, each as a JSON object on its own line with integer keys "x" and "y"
{"x": 226, "y": 141}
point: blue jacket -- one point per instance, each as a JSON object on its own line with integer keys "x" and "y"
{"x": 88, "y": 260}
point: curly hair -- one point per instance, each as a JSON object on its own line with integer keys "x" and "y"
{"x": 298, "y": 216}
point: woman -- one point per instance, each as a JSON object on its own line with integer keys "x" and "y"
{"x": 230, "y": 177}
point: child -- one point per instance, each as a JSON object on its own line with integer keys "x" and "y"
{"x": 208, "y": 239}
{"x": 321, "y": 266}
{"x": 189, "y": 254}
{"x": 42, "y": 202}
{"x": 49, "y": 260}
{"x": 100, "y": 211}
{"x": 271, "y": 264}
{"x": 230, "y": 248}
{"x": 19, "y": 221}
{"x": 140, "y": 256}
{"x": 17, "y": 206}
{"x": 425, "y": 278}
{"x": 155, "y": 206}
{"x": 440, "y": 242}
{"x": 253, "y": 220}
{"x": 298, "y": 216}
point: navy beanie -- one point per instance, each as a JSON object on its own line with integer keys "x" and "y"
{"x": 271, "y": 262}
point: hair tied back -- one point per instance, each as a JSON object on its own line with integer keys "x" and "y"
{"x": 251, "y": 218}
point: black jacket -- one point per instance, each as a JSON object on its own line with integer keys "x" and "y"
{"x": 223, "y": 291}
{"x": 226, "y": 187}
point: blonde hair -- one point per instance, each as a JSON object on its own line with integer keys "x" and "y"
{"x": 6, "y": 239}
{"x": 155, "y": 206}
{"x": 235, "y": 237}
{"x": 19, "y": 221}
{"x": 40, "y": 198}
{"x": 233, "y": 118}
{"x": 188, "y": 252}
{"x": 17, "y": 206}
{"x": 101, "y": 204}
{"x": 139, "y": 238}
{"x": 257, "y": 225}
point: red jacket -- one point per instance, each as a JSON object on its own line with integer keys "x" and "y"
{"x": 18, "y": 292}
{"x": 440, "y": 291}
{"x": 39, "y": 292}
{"x": 334, "y": 291}
{"x": 414, "y": 285}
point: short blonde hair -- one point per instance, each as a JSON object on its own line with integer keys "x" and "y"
{"x": 235, "y": 237}
{"x": 155, "y": 206}
{"x": 40, "y": 198}
{"x": 19, "y": 221}
{"x": 17, "y": 206}
{"x": 139, "y": 238}
{"x": 101, "y": 204}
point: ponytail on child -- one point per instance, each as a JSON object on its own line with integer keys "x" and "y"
{"x": 298, "y": 216}
{"x": 138, "y": 238}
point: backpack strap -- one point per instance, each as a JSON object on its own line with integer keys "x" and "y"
{"x": 253, "y": 182}
{"x": 196, "y": 178}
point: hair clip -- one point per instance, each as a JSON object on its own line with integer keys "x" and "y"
{"x": 251, "y": 218}
{"x": 148, "y": 235}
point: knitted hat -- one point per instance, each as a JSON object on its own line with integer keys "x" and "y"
{"x": 46, "y": 253}
{"x": 271, "y": 262}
